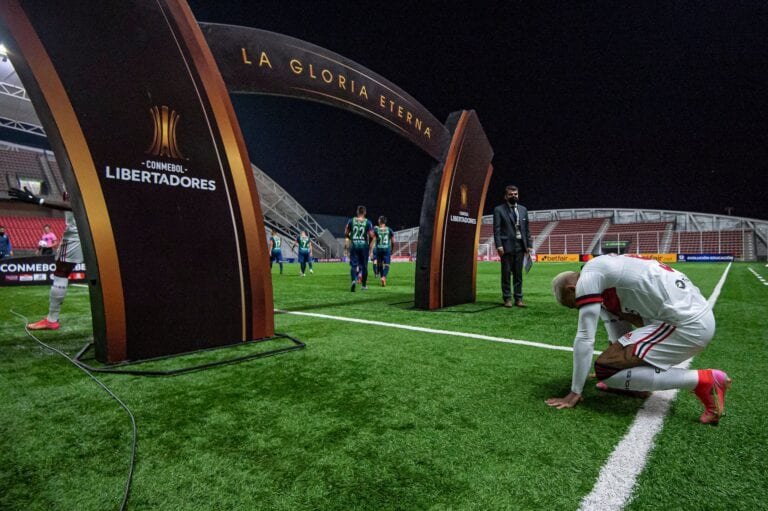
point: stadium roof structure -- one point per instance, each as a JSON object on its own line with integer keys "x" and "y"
{"x": 281, "y": 211}
{"x": 16, "y": 110}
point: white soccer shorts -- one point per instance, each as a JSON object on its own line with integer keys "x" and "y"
{"x": 664, "y": 345}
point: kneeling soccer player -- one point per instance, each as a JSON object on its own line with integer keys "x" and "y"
{"x": 677, "y": 324}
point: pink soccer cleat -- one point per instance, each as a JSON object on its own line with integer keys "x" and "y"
{"x": 713, "y": 384}
{"x": 44, "y": 324}
{"x": 383, "y": 281}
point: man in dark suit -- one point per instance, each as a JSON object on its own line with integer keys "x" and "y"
{"x": 513, "y": 242}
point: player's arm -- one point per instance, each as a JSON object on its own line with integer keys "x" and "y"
{"x": 583, "y": 349}
{"x": 27, "y": 196}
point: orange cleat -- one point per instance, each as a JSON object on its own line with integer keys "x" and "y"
{"x": 44, "y": 324}
{"x": 383, "y": 281}
{"x": 713, "y": 384}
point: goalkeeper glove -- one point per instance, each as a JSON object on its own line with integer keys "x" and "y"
{"x": 25, "y": 196}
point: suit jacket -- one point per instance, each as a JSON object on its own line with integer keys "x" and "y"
{"x": 504, "y": 228}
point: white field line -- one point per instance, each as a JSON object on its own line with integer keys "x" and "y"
{"x": 759, "y": 277}
{"x": 431, "y": 330}
{"x": 617, "y": 478}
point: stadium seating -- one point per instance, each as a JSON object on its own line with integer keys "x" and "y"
{"x": 711, "y": 242}
{"x": 570, "y": 236}
{"x": 641, "y": 237}
{"x": 25, "y": 232}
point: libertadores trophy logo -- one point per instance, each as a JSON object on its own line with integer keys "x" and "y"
{"x": 464, "y": 196}
{"x": 164, "y": 141}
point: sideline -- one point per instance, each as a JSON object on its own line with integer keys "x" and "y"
{"x": 759, "y": 277}
{"x": 613, "y": 489}
{"x": 432, "y": 330}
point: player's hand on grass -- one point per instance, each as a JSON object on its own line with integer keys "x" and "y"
{"x": 569, "y": 401}
{"x": 24, "y": 195}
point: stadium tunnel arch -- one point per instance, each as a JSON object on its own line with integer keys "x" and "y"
{"x": 254, "y": 61}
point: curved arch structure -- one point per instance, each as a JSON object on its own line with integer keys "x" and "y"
{"x": 262, "y": 62}
{"x": 139, "y": 117}
{"x": 96, "y": 71}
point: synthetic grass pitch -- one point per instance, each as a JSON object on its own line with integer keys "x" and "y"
{"x": 371, "y": 417}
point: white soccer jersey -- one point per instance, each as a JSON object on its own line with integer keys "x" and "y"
{"x": 70, "y": 230}
{"x": 678, "y": 321}
{"x": 644, "y": 287}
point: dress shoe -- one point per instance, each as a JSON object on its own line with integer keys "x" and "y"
{"x": 507, "y": 302}
{"x": 519, "y": 303}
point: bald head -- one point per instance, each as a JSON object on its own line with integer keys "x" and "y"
{"x": 564, "y": 288}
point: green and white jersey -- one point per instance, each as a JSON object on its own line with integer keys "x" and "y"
{"x": 303, "y": 242}
{"x": 358, "y": 230}
{"x": 276, "y": 242}
{"x": 384, "y": 237}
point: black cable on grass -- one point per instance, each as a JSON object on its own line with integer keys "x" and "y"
{"x": 108, "y": 391}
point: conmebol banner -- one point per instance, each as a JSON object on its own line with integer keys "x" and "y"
{"x": 143, "y": 129}
{"x": 34, "y": 270}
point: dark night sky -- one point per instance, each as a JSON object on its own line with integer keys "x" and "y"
{"x": 599, "y": 104}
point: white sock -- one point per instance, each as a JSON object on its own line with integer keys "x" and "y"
{"x": 58, "y": 292}
{"x": 650, "y": 378}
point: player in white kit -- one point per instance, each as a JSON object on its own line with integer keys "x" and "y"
{"x": 69, "y": 255}
{"x": 674, "y": 323}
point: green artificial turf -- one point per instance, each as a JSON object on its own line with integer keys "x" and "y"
{"x": 366, "y": 416}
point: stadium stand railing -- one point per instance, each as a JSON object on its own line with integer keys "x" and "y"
{"x": 737, "y": 243}
{"x": 25, "y": 232}
{"x": 646, "y": 231}
{"x": 640, "y": 238}
{"x": 553, "y": 231}
{"x": 573, "y": 236}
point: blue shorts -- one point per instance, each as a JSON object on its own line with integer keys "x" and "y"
{"x": 277, "y": 255}
{"x": 303, "y": 257}
{"x": 383, "y": 255}
{"x": 358, "y": 256}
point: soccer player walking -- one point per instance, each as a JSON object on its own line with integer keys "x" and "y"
{"x": 304, "y": 243}
{"x": 674, "y": 323}
{"x": 381, "y": 249}
{"x": 275, "y": 250}
{"x": 358, "y": 235}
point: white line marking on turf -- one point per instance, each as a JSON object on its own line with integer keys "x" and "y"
{"x": 759, "y": 277}
{"x": 432, "y": 330}
{"x": 617, "y": 478}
